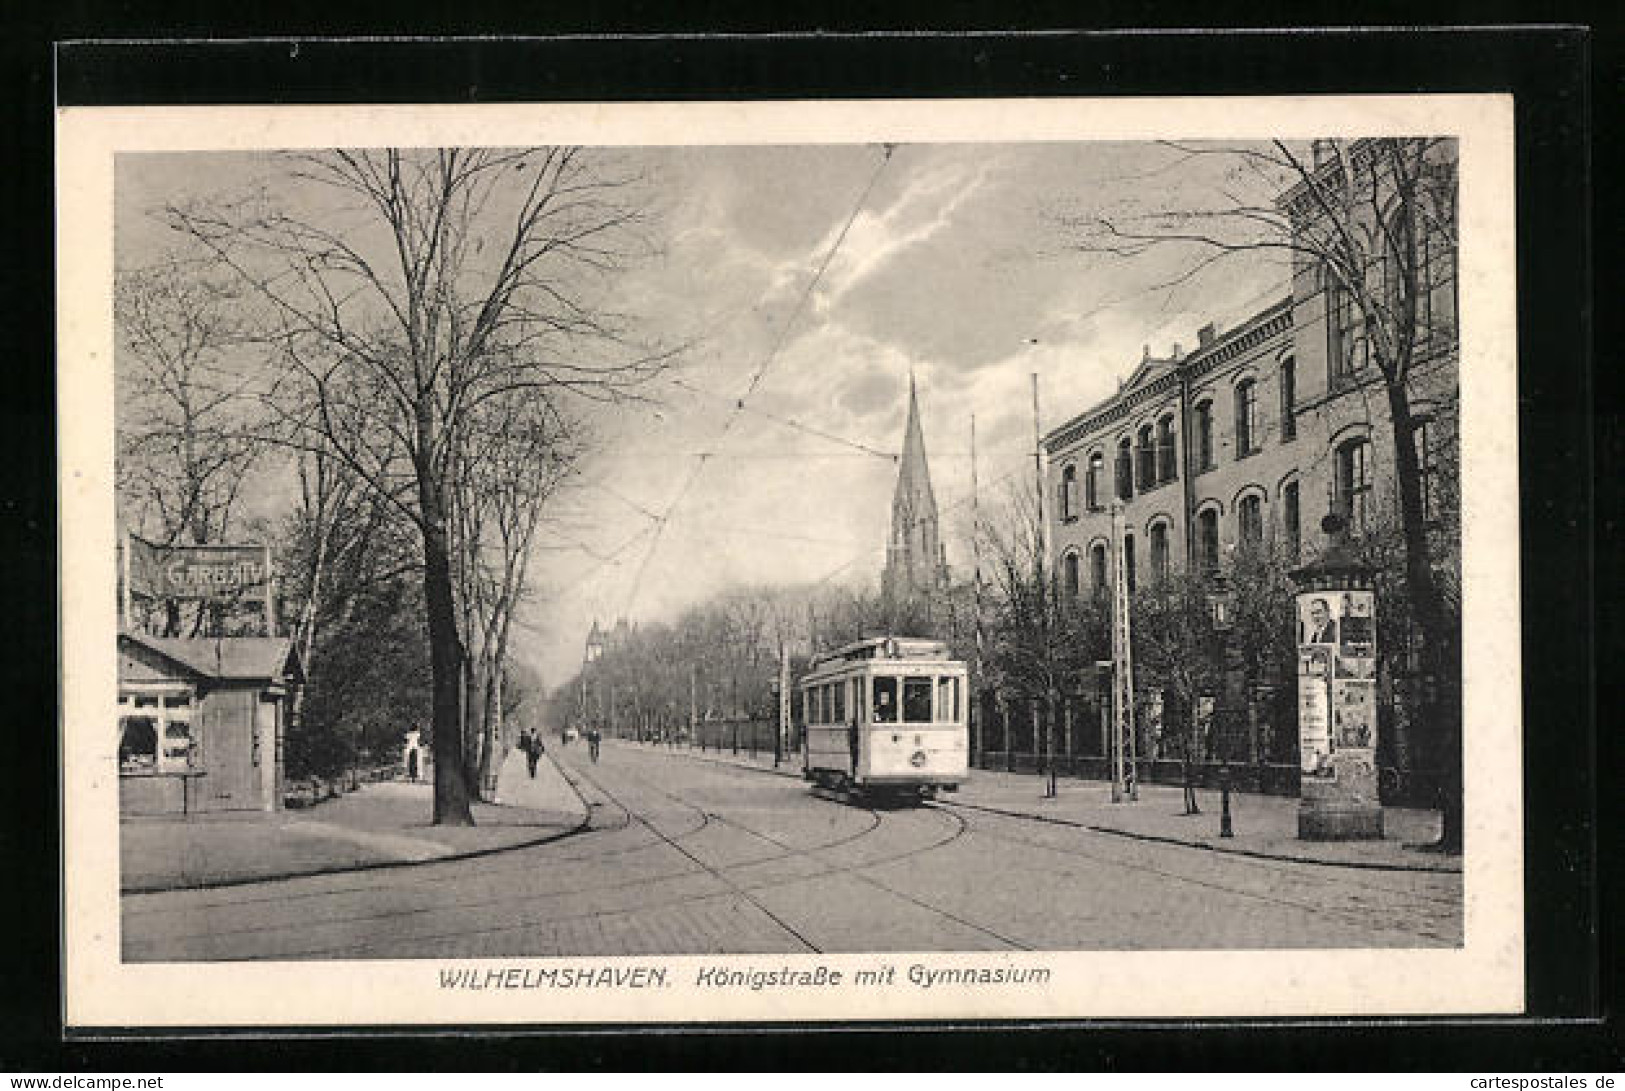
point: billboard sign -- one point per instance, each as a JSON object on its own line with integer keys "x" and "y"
{"x": 214, "y": 573}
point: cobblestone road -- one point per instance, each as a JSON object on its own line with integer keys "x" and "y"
{"x": 691, "y": 857}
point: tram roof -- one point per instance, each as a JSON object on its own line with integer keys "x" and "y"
{"x": 891, "y": 648}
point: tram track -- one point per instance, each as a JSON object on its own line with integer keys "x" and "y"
{"x": 627, "y": 819}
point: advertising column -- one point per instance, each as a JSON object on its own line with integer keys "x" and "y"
{"x": 1337, "y": 705}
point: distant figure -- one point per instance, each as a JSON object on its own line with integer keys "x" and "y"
{"x": 531, "y": 743}
{"x": 593, "y": 739}
{"x": 412, "y": 764}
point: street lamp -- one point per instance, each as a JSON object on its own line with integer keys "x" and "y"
{"x": 1221, "y": 601}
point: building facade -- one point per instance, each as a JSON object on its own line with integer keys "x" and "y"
{"x": 1250, "y": 439}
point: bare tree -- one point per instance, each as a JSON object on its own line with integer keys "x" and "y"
{"x": 404, "y": 292}
{"x": 1373, "y": 221}
{"x": 187, "y": 440}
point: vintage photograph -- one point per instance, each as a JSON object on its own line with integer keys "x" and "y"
{"x": 554, "y": 558}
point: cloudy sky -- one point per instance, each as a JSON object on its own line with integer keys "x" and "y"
{"x": 834, "y": 272}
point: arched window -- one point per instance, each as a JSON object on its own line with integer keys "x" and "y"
{"x": 1291, "y": 521}
{"x": 1207, "y": 540}
{"x": 1147, "y": 469}
{"x": 1167, "y": 454}
{"x": 1125, "y": 469}
{"x": 1069, "y": 493}
{"x": 1091, "y": 480}
{"x": 1097, "y": 568}
{"x": 1159, "y": 552}
{"x": 1289, "y": 399}
{"x": 1128, "y": 561}
{"x": 1204, "y": 436}
{"x": 1250, "y": 522}
{"x": 1247, "y": 436}
{"x": 1350, "y": 350}
{"x": 1354, "y": 481}
{"x": 1069, "y": 574}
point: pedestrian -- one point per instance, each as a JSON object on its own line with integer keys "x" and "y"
{"x": 533, "y": 750}
{"x": 593, "y": 739}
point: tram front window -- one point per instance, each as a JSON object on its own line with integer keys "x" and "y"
{"x": 885, "y": 701}
{"x": 917, "y": 700}
{"x": 948, "y": 699}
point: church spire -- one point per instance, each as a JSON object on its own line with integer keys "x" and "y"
{"x": 916, "y": 567}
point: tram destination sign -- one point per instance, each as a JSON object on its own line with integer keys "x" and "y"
{"x": 213, "y": 572}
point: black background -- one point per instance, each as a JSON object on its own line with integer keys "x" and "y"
{"x": 1548, "y": 70}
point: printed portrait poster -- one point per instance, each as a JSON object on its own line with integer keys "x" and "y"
{"x": 1318, "y": 618}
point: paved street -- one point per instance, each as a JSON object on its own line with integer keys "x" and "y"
{"x": 686, "y": 856}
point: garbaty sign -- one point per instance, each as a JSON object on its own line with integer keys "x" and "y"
{"x": 213, "y": 572}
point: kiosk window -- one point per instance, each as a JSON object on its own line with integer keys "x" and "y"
{"x": 885, "y": 700}
{"x": 917, "y": 700}
{"x": 138, "y": 742}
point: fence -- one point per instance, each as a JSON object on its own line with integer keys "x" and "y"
{"x": 1258, "y": 743}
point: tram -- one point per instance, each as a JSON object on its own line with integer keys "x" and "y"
{"x": 885, "y": 717}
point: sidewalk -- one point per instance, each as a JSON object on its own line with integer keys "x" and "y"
{"x": 383, "y": 824}
{"x": 1265, "y": 826}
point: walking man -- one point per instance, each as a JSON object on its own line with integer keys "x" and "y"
{"x": 593, "y": 739}
{"x": 532, "y": 744}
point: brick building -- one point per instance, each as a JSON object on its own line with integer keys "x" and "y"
{"x": 1250, "y": 438}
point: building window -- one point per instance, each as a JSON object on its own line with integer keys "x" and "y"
{"x": 1427, "y": 468}
{"x": 1097, "y": 569}
{"x": 1350, "y": 349}
{"x": 1354, "y": 482}
{"x": 1167, "y": 460}
{"x": 1069, "y": 493}
{"x": 1125, "y": 469}
{"x": 1246, "y": 418}
{"x": 155, "y": 731}
{"x": 1159, "y": 552}
{"x": 1250, "y": 522}
{"x": 1128, "y": 561}
{"x": 1291, "y": 521}
{"x": 1207, "y": 538}
{"x": 1091, "y": 481}
{"x": 1147, "y": 470}
{"x": 1289, "y": 399}
{"x": 1204, "y": 436}
{"x": 1070, "y": 575}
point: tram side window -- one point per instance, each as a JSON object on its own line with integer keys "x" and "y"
{"x": 838, "y": 690}
{"x": 885, "y": 700}
{"x": 948, "y": 700}
{"x": 830, "y": 715}
{"x": 917, "y": 700}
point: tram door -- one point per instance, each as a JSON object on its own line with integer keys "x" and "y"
{"x": 854, "y": 718}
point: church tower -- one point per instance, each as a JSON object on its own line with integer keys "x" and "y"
{"x": 916, "y": 564}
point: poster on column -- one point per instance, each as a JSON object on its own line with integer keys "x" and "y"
{"x": 1357, "y": 636}
{"x": 1314, "y": 713}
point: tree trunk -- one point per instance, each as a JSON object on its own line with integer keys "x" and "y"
{"x": 451, "y": 795}
{"x": 1439, "y": 713}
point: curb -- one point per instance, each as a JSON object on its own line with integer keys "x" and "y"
{"x": 379, "y": 865}
{"x": 1364, "y": 865}
{"x": 1256, "y": 854}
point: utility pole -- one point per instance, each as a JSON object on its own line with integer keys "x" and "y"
{"x": 975, "y": 716}
{"x": 1047, "y": 653}
{"x": 693, "y": 719}
{"x": 1123, "y": 742}
{"x": 784, "y": 704}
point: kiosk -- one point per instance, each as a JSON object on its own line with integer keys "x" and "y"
{"x": 201, "y": 722}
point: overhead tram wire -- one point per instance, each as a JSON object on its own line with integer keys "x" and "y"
{"x": 856, "y": 445}
{"x": 756, "y": 377}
